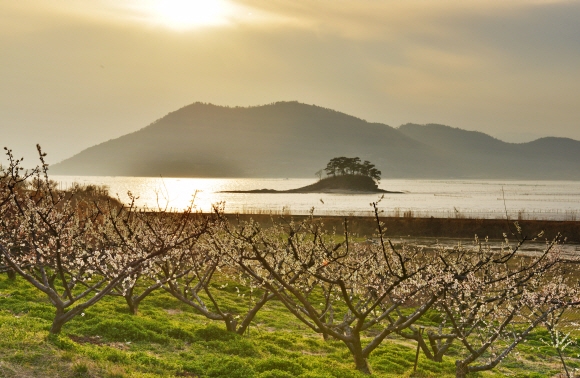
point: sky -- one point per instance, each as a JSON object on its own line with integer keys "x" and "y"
{"x": 76, "y": 73}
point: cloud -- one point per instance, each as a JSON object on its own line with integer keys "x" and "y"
{"x": 487, "y": 65}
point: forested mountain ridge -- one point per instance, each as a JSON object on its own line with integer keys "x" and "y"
{"x": 290, "y": 139}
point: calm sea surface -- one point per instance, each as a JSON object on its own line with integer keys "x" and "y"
{"x": 558, "y": 200}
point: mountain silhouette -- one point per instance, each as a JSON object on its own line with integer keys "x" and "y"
{"x": 291, "y": 139}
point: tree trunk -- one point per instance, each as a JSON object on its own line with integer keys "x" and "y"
{"x": 245, "y": 324}
{"x": 61, "y": 317}
{"x": 231, "y": 323}
{"x": 360, "y": 361}
{"x": 132, "y": 303}
{"x": 563, "y": 362}
{"x": 11, "y": 274}
{"x": 461, "y": 369}
{"x": 58, "y": 322}
{"x": 362, "y": 364}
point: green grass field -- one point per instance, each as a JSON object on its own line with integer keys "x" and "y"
{"x": 166, "y": 339}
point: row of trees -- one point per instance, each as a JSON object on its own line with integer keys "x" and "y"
{"x": 77, "y": 249}
{"x": 352, "y": 166}
{"x": 482, "y": 301}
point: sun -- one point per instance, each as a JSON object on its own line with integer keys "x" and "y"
{"x": 187, "y": 14}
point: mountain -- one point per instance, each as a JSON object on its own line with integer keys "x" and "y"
{"x": 487, "y": 157}
{"x": 290, "y": 139}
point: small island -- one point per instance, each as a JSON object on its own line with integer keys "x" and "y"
{"x": 344, "y": 176}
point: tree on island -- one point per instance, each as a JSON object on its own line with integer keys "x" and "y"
{"x": 318, "y": 174}
{"x": 341, "y": 166}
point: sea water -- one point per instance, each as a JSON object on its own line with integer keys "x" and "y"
{"x": 555, "y": 200}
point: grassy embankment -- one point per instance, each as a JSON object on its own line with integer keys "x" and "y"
{"x": 166, "y": 339}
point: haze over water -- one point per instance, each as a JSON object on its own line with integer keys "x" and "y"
{"x": 555, "y": 200}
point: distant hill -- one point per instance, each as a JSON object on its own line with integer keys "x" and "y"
{"x": 290, "y": 139}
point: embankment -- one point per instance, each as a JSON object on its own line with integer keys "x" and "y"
{"x": 438, "y": 227}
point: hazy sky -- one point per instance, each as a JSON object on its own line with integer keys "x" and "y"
{"x": 75, "y": 73}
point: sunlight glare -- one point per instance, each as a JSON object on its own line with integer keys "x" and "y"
{"x": 186, "y": 14}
